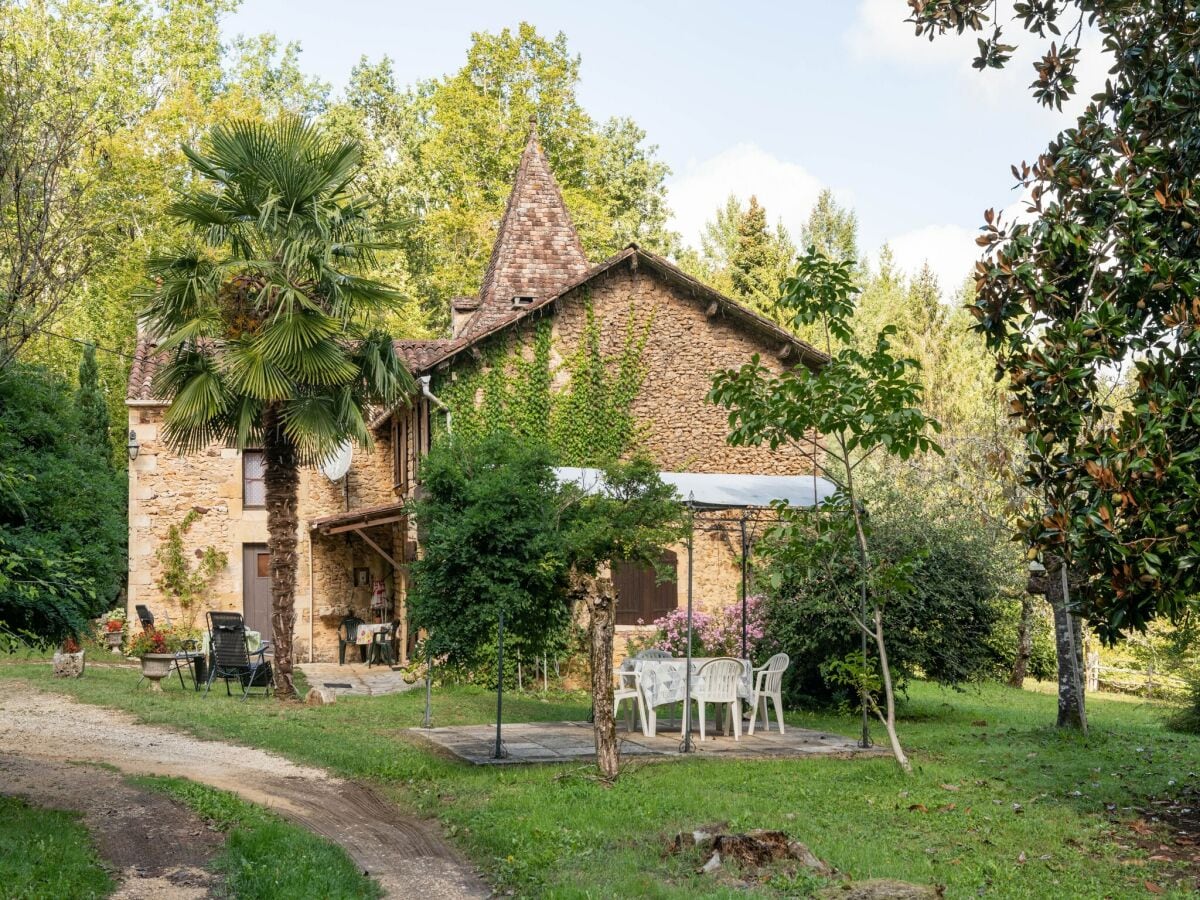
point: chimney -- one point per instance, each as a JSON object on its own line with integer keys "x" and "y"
{"x": 462, "y": 311}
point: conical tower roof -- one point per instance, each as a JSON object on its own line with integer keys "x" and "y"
{"x": 537, "y": 249}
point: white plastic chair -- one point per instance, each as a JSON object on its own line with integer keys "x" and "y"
{"x": 768, "y": 684}
{"x": 654, "y": 654}
{"x": 717, "y": 682}
{"x": 629, "y": 687}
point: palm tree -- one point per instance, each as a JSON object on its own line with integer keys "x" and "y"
{"x": 263, "y": 318}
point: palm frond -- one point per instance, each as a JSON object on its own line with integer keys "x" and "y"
{"x": 265, "y": 307}
{"x": 251, "y": 374}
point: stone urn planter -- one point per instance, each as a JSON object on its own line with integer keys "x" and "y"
{"x": 156, "y": 667}
{"x": 113, "y": 640}
{"x": 68, "y": 665}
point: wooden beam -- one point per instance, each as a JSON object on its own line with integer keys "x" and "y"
{"x": 713, "y": 309}
{"x": 342, "y": 529}
{"x": 362, "y": 534}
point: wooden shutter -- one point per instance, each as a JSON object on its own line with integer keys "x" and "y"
{"x": 639, "y": 599}
{"x": 400, "y": 451}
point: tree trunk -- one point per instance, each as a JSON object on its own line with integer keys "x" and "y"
{"x": 876, "y": 633}
{"x": 1024, "y": 644}
{"x": 889, "y": 721}
{"x": 1068, "y": 644}
{"x": 601, "y": 601}
{"x": 282, "y": 480}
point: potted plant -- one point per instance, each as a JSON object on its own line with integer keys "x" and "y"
{"x": 113, "y": 629}
{"x": 156, "y": 648}
{"x": 68, "y": 659}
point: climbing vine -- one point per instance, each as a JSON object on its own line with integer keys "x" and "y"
{"x": 589, "y": 420}
{"x": 179, "y": 579}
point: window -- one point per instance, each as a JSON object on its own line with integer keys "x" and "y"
{"x": 262, "y": 563}
{"x": 640, "y": 600}
{"x": 254, "y": 488}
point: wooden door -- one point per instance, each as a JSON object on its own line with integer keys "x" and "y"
{"x": 256, "y": 588}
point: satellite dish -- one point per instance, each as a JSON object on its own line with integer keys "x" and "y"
{"x": 336, "y": 467}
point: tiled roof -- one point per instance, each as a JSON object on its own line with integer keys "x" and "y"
{"x": 537, "y": 249}
{"x": 141, "y": 374}
{"x": 418, "y": 355}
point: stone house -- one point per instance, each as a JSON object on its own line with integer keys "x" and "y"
{"x": 539, "y": 294}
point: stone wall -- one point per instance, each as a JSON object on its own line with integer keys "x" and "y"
{"x": 163, "y": 488}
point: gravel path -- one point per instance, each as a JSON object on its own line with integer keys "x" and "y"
{"x": 406, "y": 854}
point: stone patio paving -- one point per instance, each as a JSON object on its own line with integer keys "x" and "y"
{"x": 540, "y": 742}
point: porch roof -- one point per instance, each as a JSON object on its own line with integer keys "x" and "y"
{"x": 355, "y": 519}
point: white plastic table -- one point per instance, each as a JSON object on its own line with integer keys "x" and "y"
{"x": 664, "y": 681}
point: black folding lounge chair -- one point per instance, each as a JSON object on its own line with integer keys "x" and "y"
{"x": 145, "y": 617}
{"x": 230, "y": 656}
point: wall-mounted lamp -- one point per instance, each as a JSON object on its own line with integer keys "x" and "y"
{"x": 132, "y": 445}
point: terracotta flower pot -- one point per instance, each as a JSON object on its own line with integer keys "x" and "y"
{"x": 156, "y": 667}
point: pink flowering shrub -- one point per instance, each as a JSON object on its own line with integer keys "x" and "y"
{"x": 718, "y": 634}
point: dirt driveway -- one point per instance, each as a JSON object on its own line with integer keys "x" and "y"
{"x": 406, "y": 854}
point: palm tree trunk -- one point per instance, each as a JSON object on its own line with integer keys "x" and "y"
{"x": 282, "y": 480}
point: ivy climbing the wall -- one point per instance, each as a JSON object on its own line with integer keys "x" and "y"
{"x": 588, "y": 421}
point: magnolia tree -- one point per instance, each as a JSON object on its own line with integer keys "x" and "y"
{"x": 856, "y": 405}
{"x": 1098, "y": 285}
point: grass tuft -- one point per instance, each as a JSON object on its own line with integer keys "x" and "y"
{"x": 47, "y": 855}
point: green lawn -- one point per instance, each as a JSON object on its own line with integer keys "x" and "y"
{"x": 1010, "y": 808}
{"x": 47, "y": 855}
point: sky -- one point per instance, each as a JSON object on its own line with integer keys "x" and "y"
{"x": 774, "y": 99}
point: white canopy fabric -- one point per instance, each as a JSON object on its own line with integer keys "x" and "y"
{"x": 722, "y": 490}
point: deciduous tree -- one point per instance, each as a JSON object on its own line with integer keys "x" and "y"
{"x": 858, "y": 403}
{"x": 1101, "y": 276}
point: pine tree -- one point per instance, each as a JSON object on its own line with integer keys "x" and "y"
{"x": 750, "y": 264}
{"x": 89, "y": 399}
{"x": 832, "y": 229}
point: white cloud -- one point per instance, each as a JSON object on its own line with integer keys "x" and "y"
{"x": 880, "y": 34}
{"x": 950, "y": 250}
{"x": 787, "y": 190}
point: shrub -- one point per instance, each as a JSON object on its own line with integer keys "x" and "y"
{"x": 62, "y": 511}
{"x": 488, "y": 522}
{"x": 717, "y": 634}
{"x": 1187, "y": 718}
{"x": 942, "y": 629}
